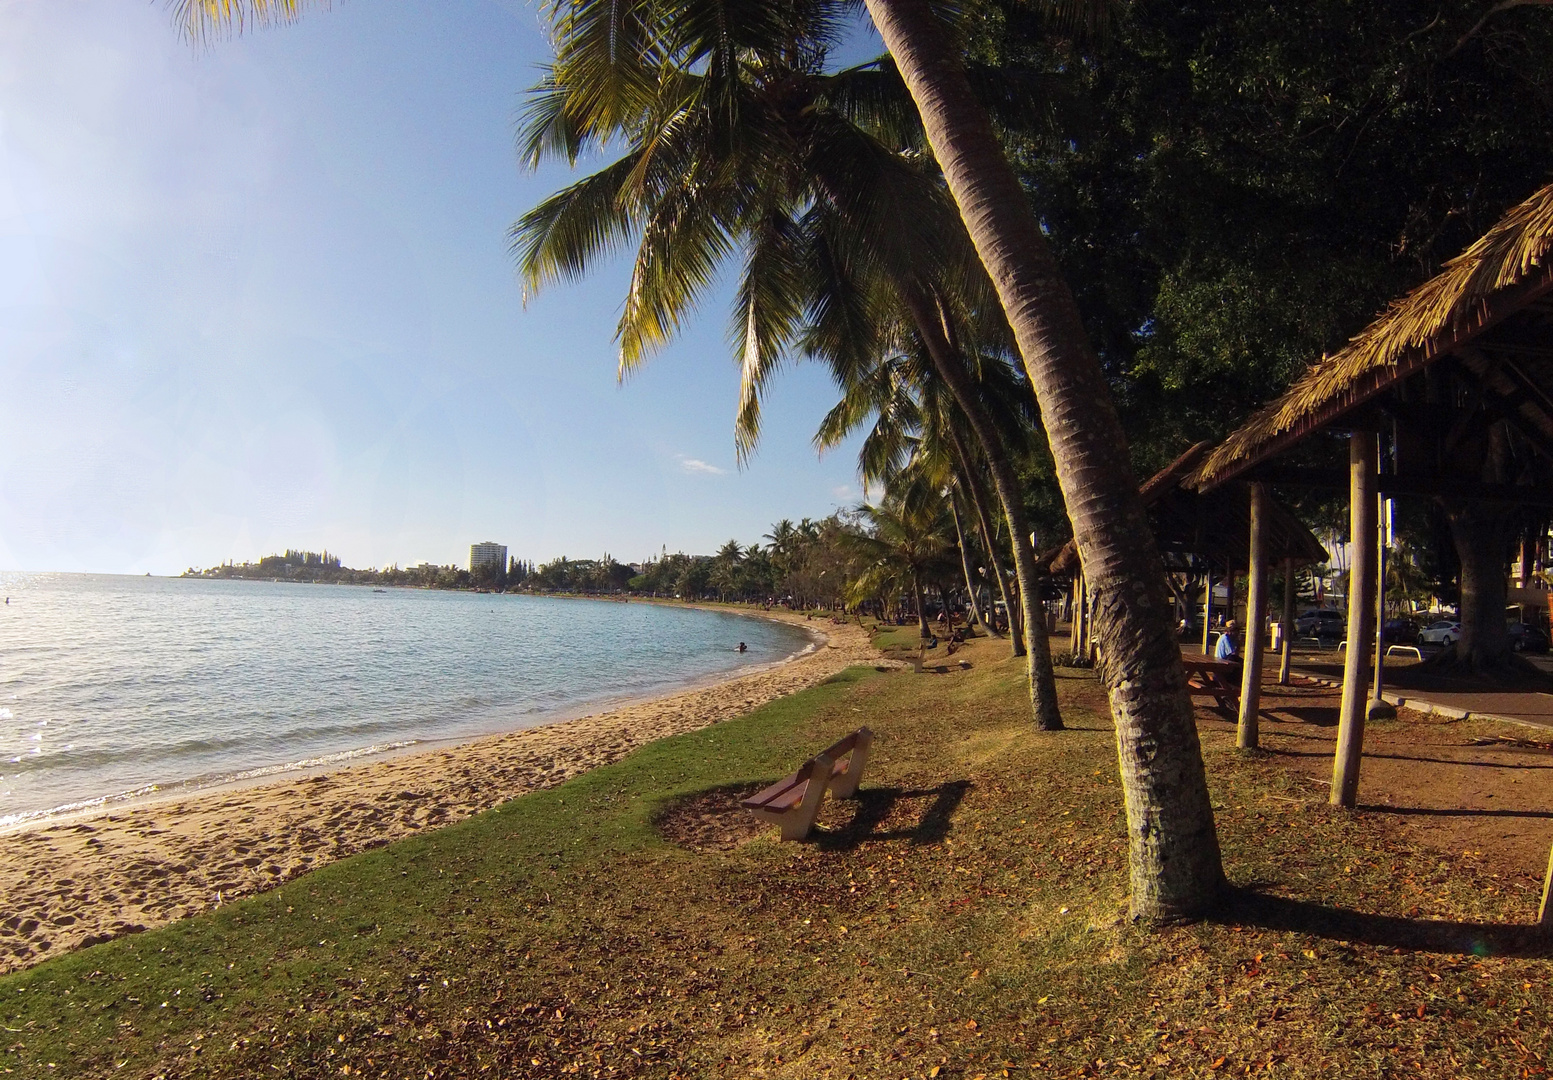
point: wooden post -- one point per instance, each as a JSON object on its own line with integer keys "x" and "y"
{"x": 1093, "y": 650}
{"x": 1256, "y": 616}
{"x": 1083, "y": 615}
{"x": 1378, "y": 708}
{"x": 1074, "y": 616}
{"x": 1361, "y": 609}
{"x": 1287, "y": 622}
{"x": 1207, "y": 604}
{"x": 1545, "y": 910}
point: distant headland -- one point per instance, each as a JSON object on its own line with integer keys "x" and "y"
{"x": 806, "y": 563}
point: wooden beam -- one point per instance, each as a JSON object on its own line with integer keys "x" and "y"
{"x": 1362, "y": 453}
{"x": 1377, "y": 380}
{"x": 1396, "y": 485}
{"x": 1256, "y": 616}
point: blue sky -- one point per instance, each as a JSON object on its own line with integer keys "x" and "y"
{"x": 260, "y": 297}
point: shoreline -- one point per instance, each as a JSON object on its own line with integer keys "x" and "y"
{"x": 355, "y": 757}
{"x": 92, "y": 877}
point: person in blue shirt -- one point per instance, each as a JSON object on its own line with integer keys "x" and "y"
{"x": 1228, "y": 650}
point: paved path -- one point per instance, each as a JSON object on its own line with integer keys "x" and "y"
{"x": 1527, "y": 705}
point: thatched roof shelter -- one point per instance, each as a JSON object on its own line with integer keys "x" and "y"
{"x": 1213, "y": 526}
{"x": 1489, "y": 312}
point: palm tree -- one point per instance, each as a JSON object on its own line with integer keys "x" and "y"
{"x": 1175, "y": 862}
{"x": 968, "y": 414}
{"x": 725, "y": 568}
{"x": 760, "y": 153}
{"x": 906, "y": 543}
{"x": 696, "y": 193}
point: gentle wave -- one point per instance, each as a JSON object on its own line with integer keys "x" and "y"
{"x": 202, "y": 782}
{"x": 116, "y": 688}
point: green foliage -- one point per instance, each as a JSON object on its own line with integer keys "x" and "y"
{"x": 580, "y": 576}
{"x": 1234, "y": 188}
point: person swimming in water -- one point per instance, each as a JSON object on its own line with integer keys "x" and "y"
{"x": 743, "y": 647}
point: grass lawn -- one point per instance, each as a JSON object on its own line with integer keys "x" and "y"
{"x": 965, "y": 918}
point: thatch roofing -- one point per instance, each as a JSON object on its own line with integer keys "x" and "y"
{"x": 1215, "y": 525}
{"x": 1507, "y": 268}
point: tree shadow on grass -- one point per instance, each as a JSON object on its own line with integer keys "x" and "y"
{"x": 1248, "y": 907}
{"x": 877, "y": 806}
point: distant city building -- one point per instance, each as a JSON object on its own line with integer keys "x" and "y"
{"x": 486, "y": 554}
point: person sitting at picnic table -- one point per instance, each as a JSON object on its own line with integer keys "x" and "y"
{"x": 1228, "y": 651}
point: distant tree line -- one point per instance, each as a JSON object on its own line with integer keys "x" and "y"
{"x": 888, "y": 559}
{"x": 324, "y": 568}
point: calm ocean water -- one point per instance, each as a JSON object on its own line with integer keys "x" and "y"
{"x": 118, "y": 687}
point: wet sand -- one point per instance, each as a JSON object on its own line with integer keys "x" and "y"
{"x": 71, "y": 883}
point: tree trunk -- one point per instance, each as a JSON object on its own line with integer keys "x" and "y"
{"x": 916, "y": 594}
{"x": 950, "y": 364}
{"x": 1481, "y": 542}
{"x": 978, "y": 496}
{"x": 965, "y": 561}
{"x": 1174, "y": 848}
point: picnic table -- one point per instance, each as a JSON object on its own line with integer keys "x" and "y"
{"x": 1210, "y": 678}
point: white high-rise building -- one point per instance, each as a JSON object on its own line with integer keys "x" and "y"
{"x": 486, "y": 554}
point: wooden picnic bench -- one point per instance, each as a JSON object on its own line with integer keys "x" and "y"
{"x": 794, "y": 801}
{"x": 1207, "y": 678}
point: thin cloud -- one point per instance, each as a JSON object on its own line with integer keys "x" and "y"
{"x": 697, "y": 467}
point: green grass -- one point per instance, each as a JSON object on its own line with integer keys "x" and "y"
{"x": 965, "y": 917}
{"x": 897, "y": 638}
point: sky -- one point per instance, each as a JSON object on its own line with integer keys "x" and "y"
{"x": 259, "y": 296}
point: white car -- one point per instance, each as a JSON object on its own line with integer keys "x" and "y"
{"x": 1440, "y": 633}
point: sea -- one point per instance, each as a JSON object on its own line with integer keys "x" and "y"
{"x": 115, "y": 689}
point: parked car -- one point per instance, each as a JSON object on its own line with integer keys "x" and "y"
{"x": 1321, "y": 623}
{"x": 1527, "y": 638}
{"x": 1444, "y": 632}
{"x": 1401, "y": 631}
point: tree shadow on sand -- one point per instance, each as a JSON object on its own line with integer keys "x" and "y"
{"x": 1452, "y": 811}
{"x": 1246, "y": 906}
{"x": 876, "y": 807}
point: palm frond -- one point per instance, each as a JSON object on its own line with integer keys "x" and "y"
{"x": 564, "y": 236}
{"x": 548, "y": 127}
{"x": 874, "y": 97}
{"x": 606, "y": 53}
{"x": 201, "y": 21}
{"x": 767, "y": 313}
{"x": 688, "y": 234}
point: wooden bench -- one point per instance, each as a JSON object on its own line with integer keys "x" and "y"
{"x": 794, "y": 801}
{"x": 1208, "y": 678}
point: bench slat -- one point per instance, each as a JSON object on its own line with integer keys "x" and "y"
{"x": 787, "y": 790}
{"x": 793, "y": 801}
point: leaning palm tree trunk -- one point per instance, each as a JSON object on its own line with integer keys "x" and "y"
{"x": 951, "y": 367}
{"x": 983, "y": 516}
{"x": 965, "y": 560}
{"x": 1176, "y": 867}
{"x": 978, "y": 497}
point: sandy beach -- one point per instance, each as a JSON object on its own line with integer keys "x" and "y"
{"x": 81, "y": 881}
